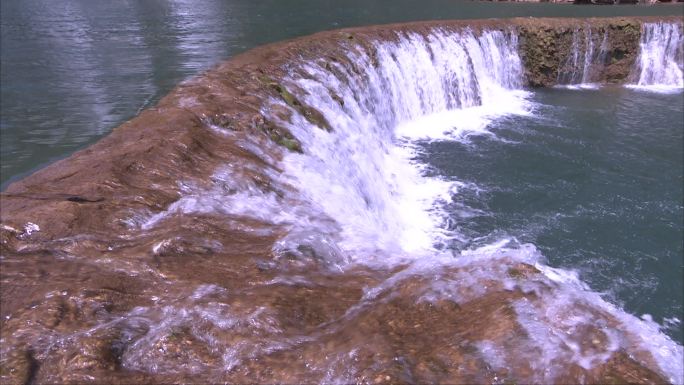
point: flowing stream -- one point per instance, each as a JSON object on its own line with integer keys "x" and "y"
{"x": 661, "y": 57}
{"x": 449, "y": 87}
{"x": 372, "y": 197}
{"x": 581, "y": 65}
{"x": 395, "y": 187}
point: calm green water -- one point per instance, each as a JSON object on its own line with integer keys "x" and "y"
{"x": 595, "y": 181}
{"x": 71, "y": 70}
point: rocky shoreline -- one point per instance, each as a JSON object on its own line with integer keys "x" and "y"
{"x": 75, "y": 255}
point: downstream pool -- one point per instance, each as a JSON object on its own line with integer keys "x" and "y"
{"x": 593, "y": 179}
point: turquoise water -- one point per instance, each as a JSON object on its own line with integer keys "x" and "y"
{"x": 594, "y": 180}
{"x": 73, "y": 70}
{"x": 590, "y": 178}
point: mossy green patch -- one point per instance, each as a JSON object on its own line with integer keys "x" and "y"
{"x": 277, "y": 134}
{"x": 310, "y": 113}
{"x": 291, "y": 144}
{"x": 515, "y": 273}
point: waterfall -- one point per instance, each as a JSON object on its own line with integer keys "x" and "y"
{"x": 661, "y": 56}
{"x": 588, "y": 55}
{"x": 359, "y": 196}
{"x": 363, "y": 173}
{"x": 582, "y": 65}
{"x": 568, "y": 73}
{"x": 590, "y": 70}
{"x": 381, "y": 100}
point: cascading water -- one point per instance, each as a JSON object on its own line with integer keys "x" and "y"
{"x": 570, "y": 75}
{"x": 369, "y": 279}
{"x": 661, "y": 57}
{"x": 584, "y": 62}
{"x": 358, "y": 196}
{"x": 659, "y": 66}
{"x": 363, "y": 175}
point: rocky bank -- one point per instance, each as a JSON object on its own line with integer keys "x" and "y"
{"x": 85, "y": 284}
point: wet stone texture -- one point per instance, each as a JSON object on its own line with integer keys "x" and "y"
{"x": 545, "y": 48}
{"x": 106, "y": 279}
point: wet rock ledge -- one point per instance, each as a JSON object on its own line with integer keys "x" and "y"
{"x": 76, "y": 258}
{"x": 139, "y": 164}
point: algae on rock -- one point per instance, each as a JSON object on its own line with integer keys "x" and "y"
{"x": 311, "y": 114}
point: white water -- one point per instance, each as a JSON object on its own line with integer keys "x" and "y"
{"x": 584, "y": 62}
{"x": 445, "y": 86}
{"x": 362, "y": 198}
{"x": 660, "y": 66}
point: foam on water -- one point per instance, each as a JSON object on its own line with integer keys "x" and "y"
{"x": 363, "y": 174}
{"x": 445, "y": 86}
{"x": 583, "y": 86}
{"x": 556, "y": 321}
{"x": 459, "y": 124}
{"x": 357, "y": 195}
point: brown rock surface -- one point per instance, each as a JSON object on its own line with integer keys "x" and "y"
{"x": 90, "y": 295}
